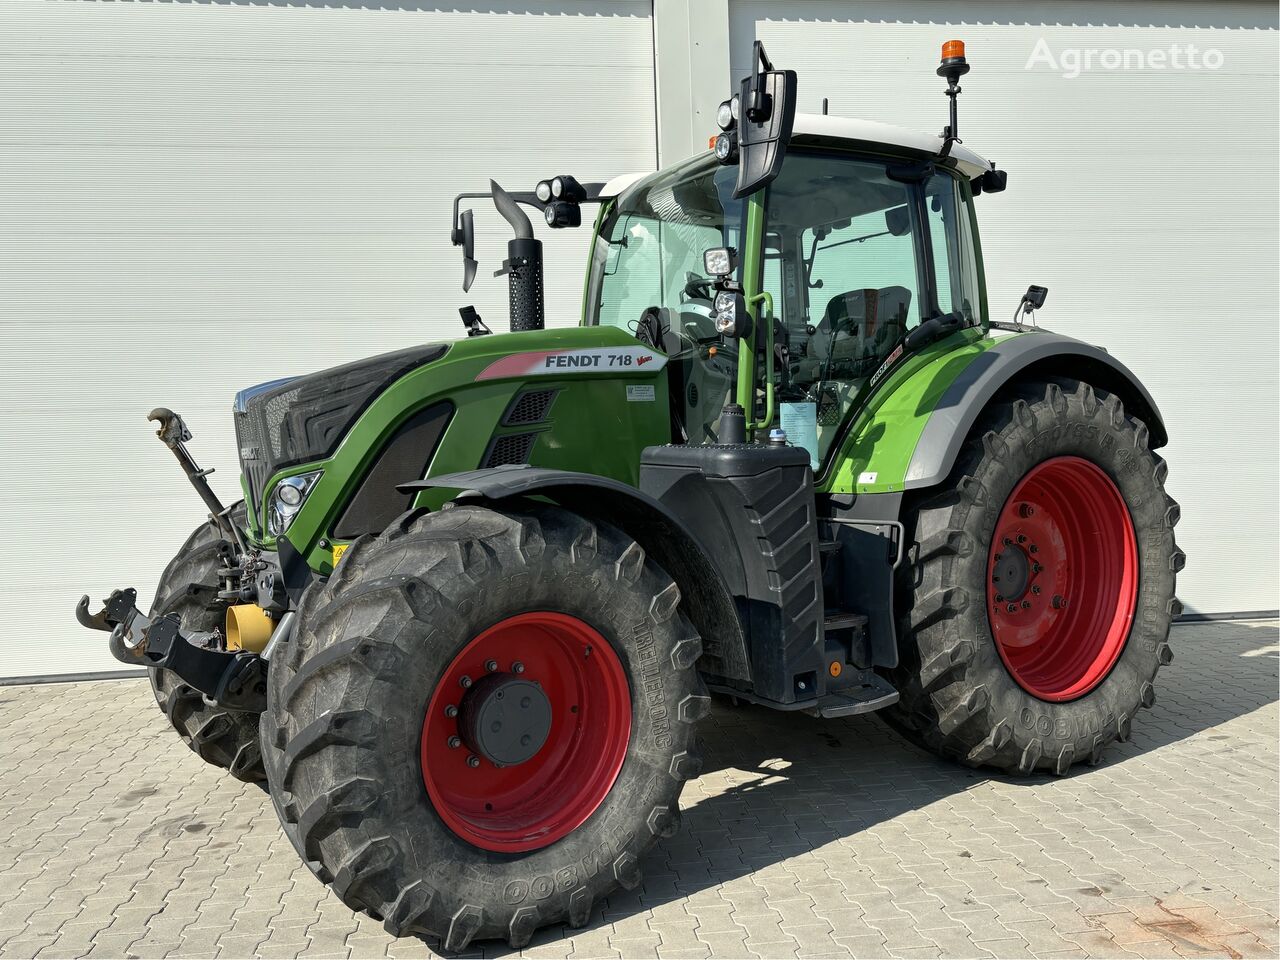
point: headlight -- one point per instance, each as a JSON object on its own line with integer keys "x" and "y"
{"x": 733, "y": 106}
{"x": 727, "y": 148}
{"x": 287, "y": 499}
{"x": 724, "y": 115}
{"x": 731, "y": 318}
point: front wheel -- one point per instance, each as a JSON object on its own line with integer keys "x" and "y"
{"x": 1036, "y": 607}
{"x": 483, "y": 721}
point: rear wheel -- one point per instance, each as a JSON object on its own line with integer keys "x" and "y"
{"x": 483, "y": 721}
{"x": 189, "y": 588}
{"x": 1037, "y": 604}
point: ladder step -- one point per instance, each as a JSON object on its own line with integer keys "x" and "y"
{"x": 873, "y": 693}
{"x": 843, "y": 620}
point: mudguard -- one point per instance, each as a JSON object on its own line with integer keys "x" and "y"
{"x": 910, "y": 430}
{"x": 707, "y": 601}
{"x": 1037, "y": 354}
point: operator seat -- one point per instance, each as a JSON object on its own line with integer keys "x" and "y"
{"x": 858, "y": 325}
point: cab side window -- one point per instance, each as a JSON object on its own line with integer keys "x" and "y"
{"x": 855, "y": 260}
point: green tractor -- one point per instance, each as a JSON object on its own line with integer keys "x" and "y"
{"x": 479, "y": 594}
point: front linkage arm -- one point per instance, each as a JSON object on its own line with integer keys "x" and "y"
{"x": 174, "y": 434}
{"x": 236, "y": 680}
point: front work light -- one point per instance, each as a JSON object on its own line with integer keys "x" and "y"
{"x": 543, "y": 191}
{"x": 287, "y": 499}
{"x": 561, "y": 214}
{"x": 718, "y": 261}
{"x": 567, "y": 188}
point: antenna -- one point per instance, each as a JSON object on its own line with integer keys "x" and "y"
{"x": 824, "y": 106}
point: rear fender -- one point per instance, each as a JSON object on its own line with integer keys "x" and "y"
{"x": 909, "y": 433}
{"x": 1036, "y": 356}
{"x": 705, "y": 597}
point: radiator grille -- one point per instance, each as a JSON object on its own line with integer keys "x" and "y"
{"x": 531, "y": 406}
{"x": 513, "y": 448}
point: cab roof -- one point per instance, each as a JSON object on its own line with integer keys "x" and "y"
{"x": 812, "y": 129}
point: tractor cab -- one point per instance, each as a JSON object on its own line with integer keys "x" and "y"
{"x": 858, "y": 241}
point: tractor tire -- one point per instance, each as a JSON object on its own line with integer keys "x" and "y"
{"x": 189, "y": 587}
{"x": 385, "y": 757}
{"x": 1036, "y": 603}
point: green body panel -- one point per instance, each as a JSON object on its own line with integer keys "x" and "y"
{"x": 593, "y": 427}
{"x": 887, "y": 427}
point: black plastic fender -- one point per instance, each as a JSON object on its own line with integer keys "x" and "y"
{"x": 1035, "y": 355}
{"x": 706, "y": 597}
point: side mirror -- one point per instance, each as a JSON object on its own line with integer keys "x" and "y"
{"x": 1034, "y": 298}
{"x": 768, "y": 112}
{"x": 718, "y": 261}
{"x": 464, "y": 235}
{"x": 897, "y": 220}
{"x": 994, "y": 181}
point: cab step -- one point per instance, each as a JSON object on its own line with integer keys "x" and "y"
{"x": 843, "y": 620}
{"x": 872, "y": 692}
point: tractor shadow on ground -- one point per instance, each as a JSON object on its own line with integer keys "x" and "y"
{"x": 776, "y": 786}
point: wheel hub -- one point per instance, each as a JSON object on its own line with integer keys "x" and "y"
{"x": 504, "y": 719}
{"x": 1011, "y": 573}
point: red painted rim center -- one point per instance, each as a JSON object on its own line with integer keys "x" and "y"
{"x": 531, "y": 804}
{"x": 1062, "y": 582}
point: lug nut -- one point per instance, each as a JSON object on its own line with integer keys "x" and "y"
{"x": 1026, "y": 510}
{"x": 451, "y": 711}
{"x": 1022, "y": 538}
{"x": 1036, "y": 589}
{"x": 455, "y": 743}
{"x": 999, "y": 598}
{"x": 1012, "y": 608}
{"x": 473, "y": 761}
{"x": 491, "y": 665}
{"x": 1007, "y": 542}
{"x": 517, "y": 667}
{"x": 1033, "y": 549}
{"x": 1036, "y": 568}
{"x": 1026, "y": 604}
{"x": 465, "y": 682}
{"x": 1059, "y": 601}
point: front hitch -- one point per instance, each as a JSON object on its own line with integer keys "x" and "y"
{"x": 236, "y": 680}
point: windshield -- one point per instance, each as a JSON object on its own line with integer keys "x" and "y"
{"x": 648, "y": 252}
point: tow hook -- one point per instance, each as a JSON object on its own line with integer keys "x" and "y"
{"x": 236, "y": 680}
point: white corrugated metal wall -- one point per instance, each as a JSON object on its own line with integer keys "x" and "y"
{"x": 174, "y": 177}
{"x": 198, "y": 197}
{"x": 1145, "y": 200}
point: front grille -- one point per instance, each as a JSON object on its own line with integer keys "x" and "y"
{"x": 253, "y": 459}
{"x": 513, "y": 448}
{"x": 531, "y": 406}
{"x": 303, "y": 419}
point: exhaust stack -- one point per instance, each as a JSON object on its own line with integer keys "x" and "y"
{"x": 523, "y": 265}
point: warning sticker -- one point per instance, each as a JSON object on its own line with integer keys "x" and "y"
{"x": 640, "y": 393}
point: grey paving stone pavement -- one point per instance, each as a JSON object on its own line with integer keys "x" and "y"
{"x": 803, "y": 838}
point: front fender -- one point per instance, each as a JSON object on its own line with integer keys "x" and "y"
{"x": 705, "y": 595}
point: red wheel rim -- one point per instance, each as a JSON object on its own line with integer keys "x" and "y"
{"x": 1062, "y": 581}
{"x": 530, "y": 804}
